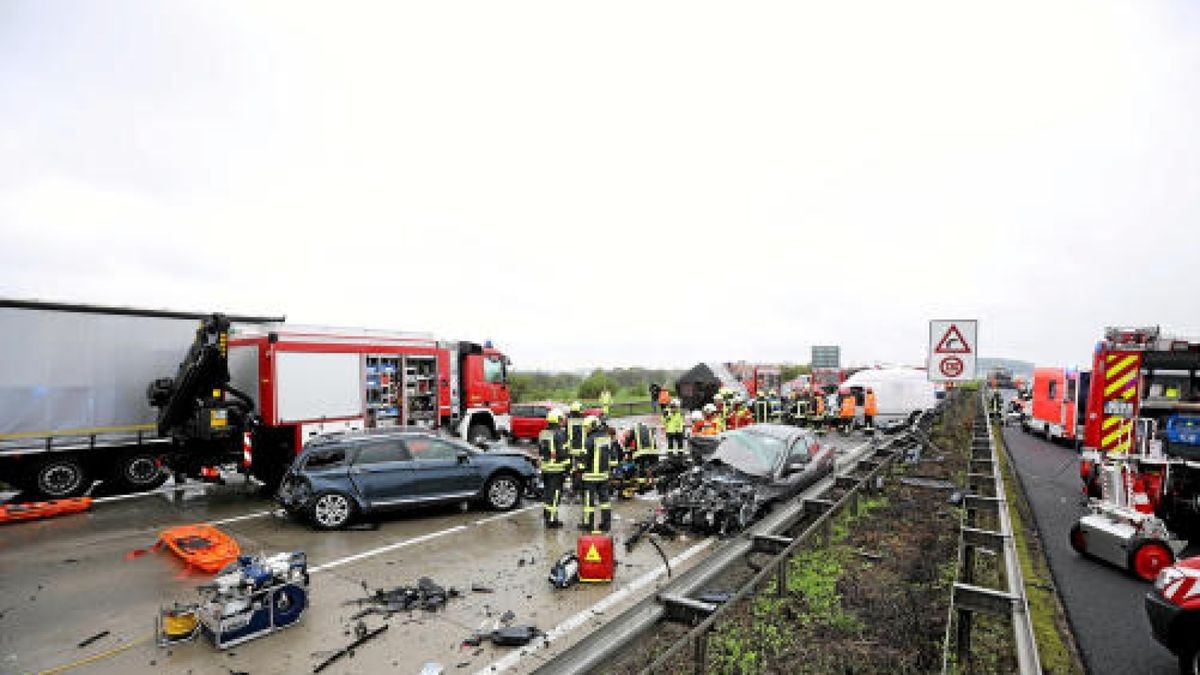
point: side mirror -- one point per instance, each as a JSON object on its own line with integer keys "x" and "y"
{"x": 463, "y": 456}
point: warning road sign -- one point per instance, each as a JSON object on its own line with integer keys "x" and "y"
{"x": 952, "y": 350}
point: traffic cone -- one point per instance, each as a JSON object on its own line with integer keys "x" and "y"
{"x": 1141, "y": 501}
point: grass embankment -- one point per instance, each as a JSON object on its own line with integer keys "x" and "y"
{"x": 1056, "y": 645}
{"x": 875, "y": 598}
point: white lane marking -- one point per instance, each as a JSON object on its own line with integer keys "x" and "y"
{"x": 508, "y": 514}
{"x": 234, "y": 519}
{"x": 149, "y": 493}
{"x": 582, "y": 617}
{"x": 384, "y": 549}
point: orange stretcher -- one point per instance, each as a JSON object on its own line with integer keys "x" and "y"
{"x": 13, "y": 513}
{"x": 201, "y": 546}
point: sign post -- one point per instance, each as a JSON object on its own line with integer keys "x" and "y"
{"x": 952, "y": 350}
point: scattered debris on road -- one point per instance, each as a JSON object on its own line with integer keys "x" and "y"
{"x": 509, "y": 636}
{"x": 89, "y": 640}
{"x": 565, "y": 572}
{"x": 426, "y": 595}
{"x": 349, "y": 649}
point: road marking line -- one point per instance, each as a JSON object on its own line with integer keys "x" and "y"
{"x": 582, "y": 617}
{"x": 148, "y": 493}
{"x": 384, "y": 549}
{"x": 234, "y": 519}
{"x": 509, "y": 514}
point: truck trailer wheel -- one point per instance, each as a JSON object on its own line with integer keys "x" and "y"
{"x": 61, "y": 477}
{"x": 138, "y": 472}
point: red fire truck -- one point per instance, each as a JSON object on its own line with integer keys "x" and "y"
{"x": 311, "y": 381}
{"x": 1144, "y": 491}
{"x": 756, "y": 377}
{"x": 1060, "y": 398}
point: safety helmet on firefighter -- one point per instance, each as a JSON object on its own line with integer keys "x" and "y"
{"x": 697, "y": 416}
{"x": 870, "y": 390}
{"x": 576, "y": 406}
{"x": 774, "y": 392}
{"x": 591, "y": 422}
{"x": 552, "y": 417}
{"x": 675, "y": 403}
{"x": 718, "y": 396}
{"x": 709, "y": 408}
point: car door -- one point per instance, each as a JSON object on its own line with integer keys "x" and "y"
{"x": 440, "y": 474}
{"x": 800, "y": 452}
{"x": 383, "y": 474}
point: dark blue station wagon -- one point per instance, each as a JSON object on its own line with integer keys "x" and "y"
{"x": 335, "y": 479}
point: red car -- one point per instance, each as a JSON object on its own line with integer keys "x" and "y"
{"x": 528, "y": 419}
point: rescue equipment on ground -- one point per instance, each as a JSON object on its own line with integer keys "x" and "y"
{"x": 252, "y": 597}
{"x": 13, "y": 513}
{"x": 565, "y": 572}
{"x": 201, "y": 546}
{"x": 596, "y": 561}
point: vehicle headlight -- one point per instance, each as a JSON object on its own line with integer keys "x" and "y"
{"x": 1167, "y": 577}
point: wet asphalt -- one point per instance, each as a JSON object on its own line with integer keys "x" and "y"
{"x": 66, "y": 579}
{"x": 1103, "y": 603}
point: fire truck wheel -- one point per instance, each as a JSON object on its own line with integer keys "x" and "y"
{"x": 61, "y": 477}
{"x": 479, "y": 433}
{"x": 1189, "y": 659}
{"x": 503, "y": 492}
{"x": 1078, "y": 542}
{"x": 331, "y": 510}
{"x": 137, "y": 472}
{"x": 1149, "y": 558}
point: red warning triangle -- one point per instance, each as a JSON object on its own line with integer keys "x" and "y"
{"x": 952, "y": 342}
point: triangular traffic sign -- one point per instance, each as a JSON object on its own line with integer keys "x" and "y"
{"x": 592, "y": 556}
{"x": 952, "y": 342}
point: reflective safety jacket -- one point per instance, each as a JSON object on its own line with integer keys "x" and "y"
{"x": 552, "y": 445}
{"x": 576, "y": 436}
{"x": 740, "y": 418}
{"x": 820, "y": 406}
{"x": 673, "y": 421}
{"x": 599, "y": 456}
{"x": 762, "y": 410}
{"x": 641, "y": 440}
{"x": 869, "y": 406}
{"x": 706, "y": 427}
{"x": 848, "y": 406}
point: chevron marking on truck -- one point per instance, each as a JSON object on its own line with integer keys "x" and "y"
{"x": 1120, "y": 384}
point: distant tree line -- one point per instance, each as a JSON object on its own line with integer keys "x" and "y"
{"x": 625, "y": 384}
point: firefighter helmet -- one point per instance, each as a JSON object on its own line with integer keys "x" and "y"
{"x": 709, "y": 408}
{"x": 675, "y": 403}
{"x": 697, "y": 416}
{"x": 591, "y": 421}
{"x": 576, "y": 406}
{"x": 552, "y": 417}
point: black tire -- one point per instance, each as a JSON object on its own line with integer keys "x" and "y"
{"x": 331, "y": 510}
{"x": 479, "y": 433}
{"x": 502, "y": 492}
{"x": 1189, "y": 659}
{"x": 1078, "y": 543}
{"x": 60, "y": 477}
{"x": 138, "y": 472}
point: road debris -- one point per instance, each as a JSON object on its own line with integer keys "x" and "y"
{"x": 89, "y": 640}
{"x": 426, "y": 595}
{"x": 509, "y": 636}
{"x": 348, "y": 649}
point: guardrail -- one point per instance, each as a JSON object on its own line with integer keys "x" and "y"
{"x": 673, "y": 602}
{"x": 985, "y": 492}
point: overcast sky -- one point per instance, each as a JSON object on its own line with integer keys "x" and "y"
{"x": 615, "y": 183}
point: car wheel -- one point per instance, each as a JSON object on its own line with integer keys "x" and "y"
{"x": 61, "y": 478}
{"x": 479, "y": 433}
{"x": 502, "y": 492}
{"x": 138, "y": 472}
{"x": 331, "y": 510}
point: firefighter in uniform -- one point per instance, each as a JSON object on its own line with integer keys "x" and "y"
{"x": 818, "y": 413}
{"x": 762, "y": 408}
{"x": 556, "y": 464}
{"x": 576, "y": 436}
{"x": 870, "y": 409}
{"x": 640, "y": 446}
{"x": 847, "y": 412}
{"x": 740, "y": 417}
{"x": 673, "y": 424}
{"x": 598, "y": 462}
{"x": 776, "y": 405}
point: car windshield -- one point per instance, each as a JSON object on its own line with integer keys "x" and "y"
{"x": 755, "y": 454}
